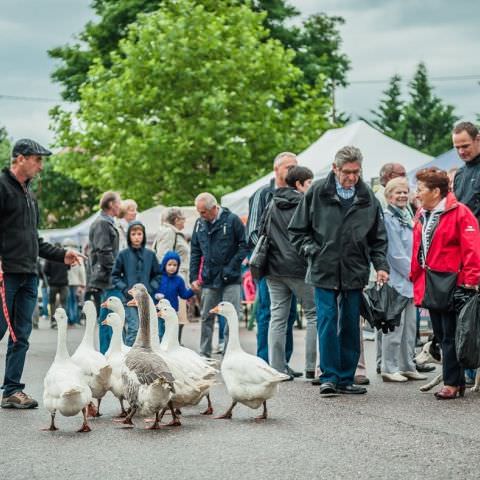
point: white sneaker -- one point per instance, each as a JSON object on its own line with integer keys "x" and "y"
{"x": 393, "y": 377}
{"x": 414, "y": 375}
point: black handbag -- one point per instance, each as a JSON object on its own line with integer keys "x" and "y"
{"x": 439, "y": 290}
{"x": 259, "y": 258}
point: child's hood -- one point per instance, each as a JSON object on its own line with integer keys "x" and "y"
{"x": 136, "y": 223}
{"x": 170, "y": 255}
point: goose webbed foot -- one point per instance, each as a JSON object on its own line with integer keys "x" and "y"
{"x": 209, "y": 410}
{"x": 84, "y": 427}
{"x": 175, "y": 420}
{"x": 123, "y": 413}
{"x": 98, "y": 414}
{"x": 228, "y": 414}
{"x": 156, "y": 424}
{"x": 52, "y": 427}
{"x": 263, "y": 416}
{"x": 128, "y": 419}
{"x": 92, "y": 410}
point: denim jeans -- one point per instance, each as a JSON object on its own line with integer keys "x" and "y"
{"x": 131, "y": 325}
{"x": 72, "y": 305}
{"x": 338, "y": 323}
{"x": 21, "y": 296}
{"x": 263, "y": 321}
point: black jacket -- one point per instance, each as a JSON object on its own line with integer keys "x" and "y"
{"x": 56, "y": 273}
{"x": 283, "y": 259}
{"x": 103, "y": 240}
{"x": 20, "y": 244}
{"x": 257, "y": 205}
{"x": 339, "y": 246}
{"x": 466, "y": 185}
{"x": 223, "y": 247}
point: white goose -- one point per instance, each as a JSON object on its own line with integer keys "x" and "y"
{"x": 147, "y": 380}
{"x": 249, "y": 379}
{"x": 65, "y": 386}
{"x": 116, "y": 358}
{"x": 190, "y": 360}
{"x": 92, "y": 363}
{"x": 115, "y": 305}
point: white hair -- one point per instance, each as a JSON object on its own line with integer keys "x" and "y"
{"x": 208, "y": 198}
{"x": 281, "y": 156}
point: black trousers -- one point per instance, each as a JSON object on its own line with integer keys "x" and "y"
{"x": 444, "y": 325}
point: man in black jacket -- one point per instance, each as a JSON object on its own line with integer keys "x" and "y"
{"x": 466, "y": 185}
{"x": 217, "y": 250}
{"x": 339, "y": 227}
{"x": 19, "y": 248}
{"x": 285, "y": 274}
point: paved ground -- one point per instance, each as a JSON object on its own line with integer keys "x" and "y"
{"x": 392, "y": 432}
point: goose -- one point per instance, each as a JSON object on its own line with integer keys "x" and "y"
{"x": 116, "y": 358}
{"x": 65, "y": 387}
{"x": 147, "y": 380}
{"x": 115, "y": 305}
{"x": 249, "y": 379}
{"x": 92, "y": 363}
{"x": 193, "y": 362}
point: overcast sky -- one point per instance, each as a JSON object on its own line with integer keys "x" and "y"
{"x": 381, "y": 37}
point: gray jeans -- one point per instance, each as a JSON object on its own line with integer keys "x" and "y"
{"x": 211, "y": 297}
{"x": 398, "y": 347}
{"x": 281, "y": 290}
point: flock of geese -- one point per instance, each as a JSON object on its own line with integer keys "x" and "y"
{"x": 152, "y": 377}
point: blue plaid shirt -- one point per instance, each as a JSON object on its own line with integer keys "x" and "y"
{"x": 345, "y": 193}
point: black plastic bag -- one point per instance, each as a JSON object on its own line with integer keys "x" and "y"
{"x": 467, "y": 335}
{"x": 382, "y": 307}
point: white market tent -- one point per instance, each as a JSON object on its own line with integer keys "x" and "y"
{"x": 376, "y": 147}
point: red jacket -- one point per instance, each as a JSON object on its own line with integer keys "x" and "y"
{"x": 455, "y": 247}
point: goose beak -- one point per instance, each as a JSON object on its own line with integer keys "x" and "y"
{"x": 215, "y": 310}
{"x": 130, "y": 292}
{"x": 104, "y": 322}
{"x": 104, "y": 304}
{"x": 132, "y": 303}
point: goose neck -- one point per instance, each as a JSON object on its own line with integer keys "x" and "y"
{"x": 233, "y": 335}
{"x": 62, "y": 351}
{"x": 170, "y": 338}
{"x": 143, "y": 337}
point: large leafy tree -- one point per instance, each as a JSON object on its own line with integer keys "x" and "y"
{"x": 317, "y": 44}
{"x": 5, "y": 148}
{"x": 423, "y": 121}
{"x": 194, "y": 100}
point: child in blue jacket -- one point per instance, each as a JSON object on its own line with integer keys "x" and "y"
{"x": 172, "y": 286}
{"x": 135, "y": 264}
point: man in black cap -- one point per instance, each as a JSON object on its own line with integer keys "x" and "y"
{"x": 20, "y": 246}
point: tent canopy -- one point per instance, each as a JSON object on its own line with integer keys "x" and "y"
{"x": 445, "y": 161}
{"x": 377, "y": 149}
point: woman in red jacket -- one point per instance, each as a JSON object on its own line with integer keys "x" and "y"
{"x": 446, "y": 239}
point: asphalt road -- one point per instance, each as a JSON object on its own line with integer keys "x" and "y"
{"x": 394, "y": 431}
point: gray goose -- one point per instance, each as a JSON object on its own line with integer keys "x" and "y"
{"x": 147, "y": 381}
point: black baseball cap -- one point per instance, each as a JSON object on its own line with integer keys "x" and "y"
{"x": 26, "y": 147}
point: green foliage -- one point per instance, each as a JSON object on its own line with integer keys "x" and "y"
{"x": 62, "y": 201}
{"x": 5, "y": 148}
{"x": 423, "y": 122}
{"x": 194, "y": 100}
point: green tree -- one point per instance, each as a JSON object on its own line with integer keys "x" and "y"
{"x": 389, "y": 116}
{"x": 5, "y": 148}
{"x": 193, "y": 101}
{"x": 428, "y": 122}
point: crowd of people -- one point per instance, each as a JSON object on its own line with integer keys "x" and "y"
{"x": 328, "y": 240}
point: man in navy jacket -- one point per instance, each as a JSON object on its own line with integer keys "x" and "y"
{"x": 218, "y": 248}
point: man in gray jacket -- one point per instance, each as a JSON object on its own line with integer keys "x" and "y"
{"x": 103, "y": 241}
{"x": 338, "y": 226}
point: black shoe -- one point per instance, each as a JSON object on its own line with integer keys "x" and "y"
{"x": 328, "y": 389}
{"x": 361, "y": 380}
{"x": 425, "y": 368}
{"x": 310, "y": 374}
{"x": 316, "y": 381}
{"x": 293, "y": 373}
{"x": 351, "y": 389}
{"x": 289, "y": 379}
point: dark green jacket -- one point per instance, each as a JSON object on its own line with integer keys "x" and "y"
{"x": 339, "y": 247}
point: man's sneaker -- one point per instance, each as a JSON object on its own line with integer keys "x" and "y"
{"x": 19, "y": 400}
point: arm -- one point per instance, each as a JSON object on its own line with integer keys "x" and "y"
{"x": 398, "y": 258}
{"x": 239, "y": 237}
{"x": 155, "y": 274}
{"x": 377, "y": 241}
{"x": 300, "y": 227}
{"x": 182, "y": 291}
{"x": 118, "y": 274}
{"x": 195, "y": 254}
{"x": 256, "y": 206}
{"x": 104, "y": 249}
{"x": 469, "y": 241}
{"x": 50, "y": 252}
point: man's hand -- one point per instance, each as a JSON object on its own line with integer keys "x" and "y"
{"x": 72, "y": 258}
{"x": 196, "y": 287}
{"x": 382, "y": 276}
{"x": 471, "y": 287}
